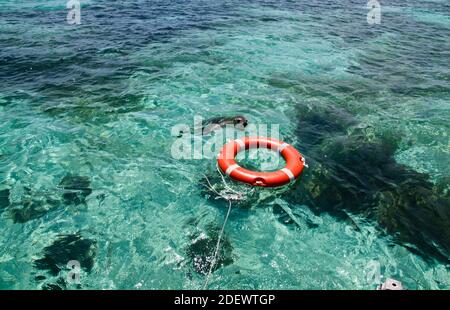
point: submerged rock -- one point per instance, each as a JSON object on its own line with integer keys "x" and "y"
{"x": 67, "y": 248}
{"x": 202, "y": 248}
{"x": 76, "y": 188}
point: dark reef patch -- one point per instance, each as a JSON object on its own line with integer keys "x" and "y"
{"x": 282, "y": 216}
{"x": 416, "y": 215}
{"x": 40, "y": 278}
{"x": 32, "y": 206}
{"x": 4, "y": 198}
{"x": 349, "y": 173}
{"x": 29, "y": 210}
{"x": 51, "y": 287}
{"x": 113, "y": 105}
{"x": 318, "y": 123}
{"x": 202, "y": 247}
{"x": 58, "y": 286}
{"x": 64, "y": 249}
{"x": 35, "y": 204}
{"x": 76, "y": 189}
{"x": 295, "y": 217}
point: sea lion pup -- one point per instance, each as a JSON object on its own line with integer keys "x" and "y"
{"x": 212, "y": 124}
{"x": 215, "y": 123}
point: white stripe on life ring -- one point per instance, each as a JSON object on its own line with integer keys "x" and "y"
{"x": 282, "y": 147}
{"x": 231, "y": 169}
{"x": 241, "y": 143}
{"x": 288, "y": 173}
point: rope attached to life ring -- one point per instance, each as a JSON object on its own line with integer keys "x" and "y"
{"x": 216, "y": 252}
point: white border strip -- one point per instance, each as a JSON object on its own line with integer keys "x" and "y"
{"x": 304, "y": 162}
{"x": 241, "y": 144}
{"x": 282, "y": 147}
{"x": 231, "y": 169}
{"x": 288, "y": 173}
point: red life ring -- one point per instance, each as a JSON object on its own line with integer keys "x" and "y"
{"x": 294, "y": 162}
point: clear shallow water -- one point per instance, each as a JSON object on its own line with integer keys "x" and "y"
{"x": 367, "y": 105}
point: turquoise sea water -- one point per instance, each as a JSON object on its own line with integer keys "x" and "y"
{"x": 87, "y": 174}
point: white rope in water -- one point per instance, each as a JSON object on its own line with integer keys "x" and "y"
{"x": 213, "y": 262}
{"x": 229, "y": 194}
